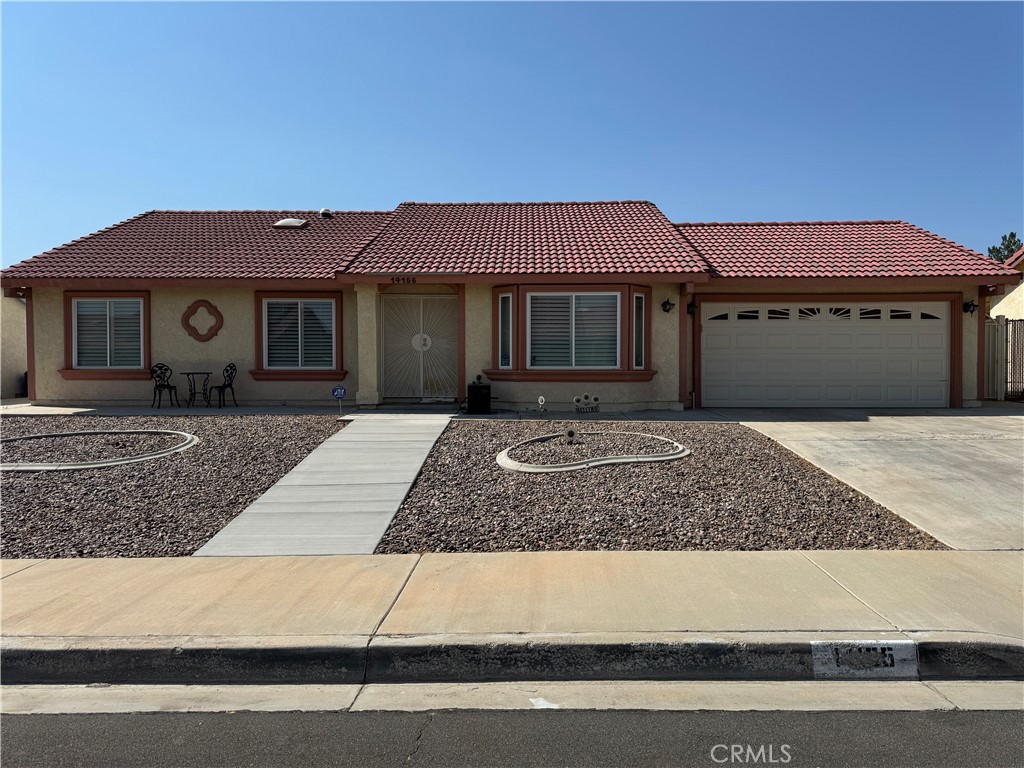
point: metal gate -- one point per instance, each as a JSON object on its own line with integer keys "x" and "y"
{"x": 419, "y": 346}
{"x": 1015, "y": 359}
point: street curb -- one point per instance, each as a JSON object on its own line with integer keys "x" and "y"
{"x": 797, "y": 656}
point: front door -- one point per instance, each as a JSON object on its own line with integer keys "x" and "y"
{"x": 420, "y": 347}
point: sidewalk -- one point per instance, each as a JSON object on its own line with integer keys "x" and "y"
{"x": 340, "y": 499}
{"x": 514, "y": 617}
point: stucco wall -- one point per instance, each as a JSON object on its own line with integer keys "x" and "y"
{"x": 171, "y": 344}
{"x": 14, "y": 360}
{"x": 1010, "y": 306}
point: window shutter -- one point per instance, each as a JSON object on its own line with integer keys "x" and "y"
{"x": 125, "y": 333}
{"x": 90, "y": 333}
{"x": 318, "y": 334}
{"x": 597, "y": 331}
{"x": 282, "y": 334}
{"x": 550, "y": 331}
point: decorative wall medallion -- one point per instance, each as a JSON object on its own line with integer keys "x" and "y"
{"x": 202, "y": 305}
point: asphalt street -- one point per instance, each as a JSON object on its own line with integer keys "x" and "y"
{"x": 953, "y": 739}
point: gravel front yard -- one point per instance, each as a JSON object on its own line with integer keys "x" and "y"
{"x": 169, "y": 506}
{"x": 738, "y": 490}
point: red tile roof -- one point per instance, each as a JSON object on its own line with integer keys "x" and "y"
{"x": 833, "y": 249}
{"x": 1017, "y": 260}
{"x": 207, "y": 244}
{"x": 527, "y": 238}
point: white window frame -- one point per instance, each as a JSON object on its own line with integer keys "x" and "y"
{"x": 511, "y": 331}
{"x": 300, "y": 367}
{"x": 74, "y": 333}
{"x": 572, "y": 331}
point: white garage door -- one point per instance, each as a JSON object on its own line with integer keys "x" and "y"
{"x": 825, "y": 354}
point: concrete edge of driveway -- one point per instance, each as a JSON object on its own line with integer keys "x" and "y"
{"x": 354, "y": 659}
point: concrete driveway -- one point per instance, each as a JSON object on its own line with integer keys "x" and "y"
{"x": 957, "y": 474}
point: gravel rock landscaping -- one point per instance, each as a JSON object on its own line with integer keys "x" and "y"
{"x": 588, "y": 445}
{"x": 76, "y": 449}
{"x": 169, "y": 506}
{"x": 738, "y": 490}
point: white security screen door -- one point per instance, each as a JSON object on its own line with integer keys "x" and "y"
{"x": 419, "y": 346}
{"x": 825, "y": 354}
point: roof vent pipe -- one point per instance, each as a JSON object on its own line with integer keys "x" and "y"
{"x": 325, "y": 213}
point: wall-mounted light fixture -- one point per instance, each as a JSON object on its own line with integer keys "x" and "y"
{"x": 667, "y": 305}
{"x": 970, "y": 306}
{"x": 691, "y": 308}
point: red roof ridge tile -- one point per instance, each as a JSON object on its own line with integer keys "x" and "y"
{"x": 130, "y": 219}
{"x": 257, "y": 210}
{"x": 1015, "y": 260}
{"x": 533, "y": 202}
{"x": 783, "y": 223}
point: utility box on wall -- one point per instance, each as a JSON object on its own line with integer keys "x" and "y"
{"x": 478, "y": 398}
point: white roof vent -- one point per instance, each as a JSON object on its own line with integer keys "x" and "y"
{"x": 290, "y": 223}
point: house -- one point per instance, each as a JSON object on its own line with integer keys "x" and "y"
{"x": 1011, "y": 306}
{"x": 540, "y": 299}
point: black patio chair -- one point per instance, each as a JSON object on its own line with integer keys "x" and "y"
{"x": 229, "y": 383}
{"x": 161, "y": 375}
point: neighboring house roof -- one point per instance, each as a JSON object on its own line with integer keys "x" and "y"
{"x": 1017, "y": 260}
{"x": 527, "y": 238}
{"x": 207, "y": 244}
{"x": 833, "y": 249}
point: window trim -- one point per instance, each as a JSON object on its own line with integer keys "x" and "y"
{"x": 624, "y": 372}
{"x": 511, "y": 331}
{"x": 572, "y": 331}
{"x": 69, "y": 371}
{"x": 264, "y": 373}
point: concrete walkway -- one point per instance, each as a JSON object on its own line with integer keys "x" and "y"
{"x": 340, "y": 499}
{"x": 957, "y": 474}
{"x": 515, "y": 616}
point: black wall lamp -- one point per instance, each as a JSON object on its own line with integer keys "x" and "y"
{"x": 667, "y": 305}
{"x": 970, "y": 306}
{"x": 691, "y": 308}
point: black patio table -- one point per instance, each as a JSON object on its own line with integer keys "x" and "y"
{"x": 205, "y": 391}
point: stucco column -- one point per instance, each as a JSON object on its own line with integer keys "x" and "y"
{"x": 368, "y": 392}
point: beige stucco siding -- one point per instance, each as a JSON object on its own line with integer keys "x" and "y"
{"x": 171, "y": 344}
{"x": 13, "y": 347}
{"x": 1010, "y": 306}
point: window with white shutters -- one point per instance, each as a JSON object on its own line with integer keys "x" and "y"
{"x": 299, "y": 333}
{"x": 108, "y": 333}
{"x": 579, "y": 330}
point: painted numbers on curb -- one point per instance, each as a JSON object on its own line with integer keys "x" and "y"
{"x": 872, "y": 660}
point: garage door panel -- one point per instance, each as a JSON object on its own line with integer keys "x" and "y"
{"x": 870, "y": 341}
{"x": 821, "y": 354}
{"x": 900, "y": 341}
{"x": 748, "y": 341}
{"x": 902, "y": 368}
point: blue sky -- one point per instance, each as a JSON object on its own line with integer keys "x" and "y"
{"x": 715, "y": 112}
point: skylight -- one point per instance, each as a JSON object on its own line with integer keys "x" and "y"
{"x": 290, "y": 223}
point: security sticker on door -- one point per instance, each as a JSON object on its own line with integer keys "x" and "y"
{"x": 871, "y": 659}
